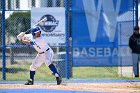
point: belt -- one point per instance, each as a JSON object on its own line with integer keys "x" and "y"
{"x": 43, "y": 51}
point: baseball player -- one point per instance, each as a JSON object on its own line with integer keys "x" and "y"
{"x": 45, "y": 53}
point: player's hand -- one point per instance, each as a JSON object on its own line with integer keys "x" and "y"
{"x": 20, "y": 36}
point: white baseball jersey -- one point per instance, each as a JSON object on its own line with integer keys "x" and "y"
{"x": 45, "y": 53}
{"x": 39, "y": 43}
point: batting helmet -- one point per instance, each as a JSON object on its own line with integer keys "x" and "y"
{"x": 35, "y": 30}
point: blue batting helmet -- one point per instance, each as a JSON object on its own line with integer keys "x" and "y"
{"x": 35, "y": 30}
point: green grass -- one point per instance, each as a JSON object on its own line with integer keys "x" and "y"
{"x": 21, "y": 73}
{"x": 16, "y": 72}
{"x": 99, "y": 73}
{"x": 94, "y": 72}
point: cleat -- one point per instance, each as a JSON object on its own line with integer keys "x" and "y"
{"x": 59, "y": 80}
{"x": 29, "y": 82}
{"x": 136, "y": 75}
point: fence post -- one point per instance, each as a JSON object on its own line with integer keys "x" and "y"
{"x": 3, "y": 42}
{"x": 136, "y": 11}
{"x": 67, "y": 40}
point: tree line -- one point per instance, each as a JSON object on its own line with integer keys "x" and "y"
{"x": 17, "y": 22}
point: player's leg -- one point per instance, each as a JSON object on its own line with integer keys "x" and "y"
{"x": 135, "y": 64}
{"x": 54, "y": 70}
{"x": 37, "y": 62}
{"x": 55, "y": 73}
{"x": 48, "y": 62}
{"x": 138, "y": 64}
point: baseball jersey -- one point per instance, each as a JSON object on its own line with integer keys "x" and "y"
{"x": 38, "y": 43}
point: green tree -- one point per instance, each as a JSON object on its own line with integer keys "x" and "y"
{"x": 17, "y": 22}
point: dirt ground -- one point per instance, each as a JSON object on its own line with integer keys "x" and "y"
{"x": 120, "y": 87}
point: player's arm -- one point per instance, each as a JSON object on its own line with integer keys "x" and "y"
{"x": 21, "y": 38}
{"x": 27, "y": 42}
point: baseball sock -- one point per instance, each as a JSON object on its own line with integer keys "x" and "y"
{"x": 32, "y": 73}
{"x": 53, "y": 69}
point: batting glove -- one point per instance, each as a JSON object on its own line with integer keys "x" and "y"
{"x": 19, "y": 37}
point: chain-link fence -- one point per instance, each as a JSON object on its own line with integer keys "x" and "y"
{"x": 18, "y": 57}
{"x": 100, "y": 36}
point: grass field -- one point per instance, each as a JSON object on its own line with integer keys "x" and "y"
{"x": 21, "y": 73}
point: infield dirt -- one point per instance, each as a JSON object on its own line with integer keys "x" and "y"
{"x": 123, "y": 87}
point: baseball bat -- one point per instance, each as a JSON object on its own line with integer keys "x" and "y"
{"x": 36, "y": 24}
